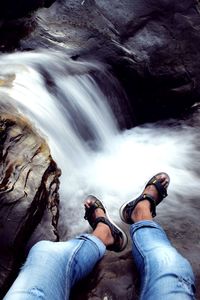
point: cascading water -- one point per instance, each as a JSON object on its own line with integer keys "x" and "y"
{"x": 68, "y": 107}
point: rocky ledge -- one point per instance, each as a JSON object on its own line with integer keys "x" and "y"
{"x": 28, "y": 193}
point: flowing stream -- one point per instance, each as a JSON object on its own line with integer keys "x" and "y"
{"x": 71, "y": 111}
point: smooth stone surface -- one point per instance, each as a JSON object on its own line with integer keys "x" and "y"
{"x": 152, "y": 47}
{"x": 28, "y": 193}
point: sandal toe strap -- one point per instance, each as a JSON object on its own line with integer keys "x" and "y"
{"x": 160, "y": 188}
{"x": 89, "y": 212}
{"x": 131, "y": 206}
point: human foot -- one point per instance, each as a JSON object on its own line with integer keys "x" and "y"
{"x": 144, "y": 207}
{"x": 104, "y": 228}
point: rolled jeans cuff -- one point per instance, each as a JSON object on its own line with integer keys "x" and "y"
{"x": 98, "y": 243}
{"x": 147, "y": 223}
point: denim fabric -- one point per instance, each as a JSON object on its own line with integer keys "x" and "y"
{"x": 51, "y": 269}
{"x": 165, "y": 274}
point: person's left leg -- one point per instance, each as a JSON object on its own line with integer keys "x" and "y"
{"x": 52, "y": 268}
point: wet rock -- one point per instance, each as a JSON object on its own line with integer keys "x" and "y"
{"x": 154, "y": 54}
{"x": 28, "y": 193}
{"x": 17, "y": 20}
{"x": 160, "y": 74}
{"x": 114, "y": 278}
{"x": 152, "y": 47}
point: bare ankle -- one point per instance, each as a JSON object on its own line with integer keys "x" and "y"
{"x": 103, "y": 232}
{"x": 142, "y": 212}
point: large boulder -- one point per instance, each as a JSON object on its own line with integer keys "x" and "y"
{"x": 152, "y": 47}
{"x": 160, "y": 71}
{"x": 28, "y": 193}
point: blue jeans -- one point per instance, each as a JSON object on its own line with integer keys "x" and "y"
{"x": 52, "y": 269}
{"x": 164, "y": 273}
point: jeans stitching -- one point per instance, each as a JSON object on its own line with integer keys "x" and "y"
{"x": 69, "y": 265}
{"x": 87, "y": 237}
{"x": 145, "y": 276}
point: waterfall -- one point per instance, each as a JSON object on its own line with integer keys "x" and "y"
{"x": 70, "y": 110}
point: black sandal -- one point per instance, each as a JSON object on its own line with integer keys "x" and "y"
{"x": 120, "y": 237}
{"x": 128, "y": 207}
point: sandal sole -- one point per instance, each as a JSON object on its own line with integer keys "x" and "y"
{"x": 125, "y": 237}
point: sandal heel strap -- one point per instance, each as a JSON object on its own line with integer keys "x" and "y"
{"x": 131, "y": 206}
{"x": 89, "y": 211}
{"x": 152, "y": 201}
{"x": 113, "y": 229}
{"x": 116, "y": 233}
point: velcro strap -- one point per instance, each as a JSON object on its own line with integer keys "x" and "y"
{"x": 89, "y": 211}
{"x": 160, "y": 188}
{"x": 152, "y": 203}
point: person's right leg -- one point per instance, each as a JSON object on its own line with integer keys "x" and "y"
{"x": 164, "y": 273}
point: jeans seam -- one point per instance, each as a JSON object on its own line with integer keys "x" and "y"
{"x": 145, "y": 267}
{"x": 69, "y": 264}
{"x": 94, "y": 243}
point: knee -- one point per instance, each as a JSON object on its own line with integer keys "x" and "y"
{"x": 167, "y": 265}
{"x": 43, "y": 253}
{"x": 42, "y": 247}
{"x": 168, "y": 260}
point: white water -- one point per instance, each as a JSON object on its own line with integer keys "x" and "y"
{"x": 115, "y": 165}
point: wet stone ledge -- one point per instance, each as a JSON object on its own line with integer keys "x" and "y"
{"x": 29, "y": 181}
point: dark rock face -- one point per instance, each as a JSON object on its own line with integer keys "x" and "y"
{"x": 152, "y": 47}
{"x": 28, "y": 191}
{"x": 17, "y": 20}
{"x": 162, "y": 79}
{"x": 154, "y": 54}
{"x": 12, "y": 9}
{"x": 115, "y": 278}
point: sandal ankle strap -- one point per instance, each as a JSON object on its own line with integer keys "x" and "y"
{"x": 117, "y": 234}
